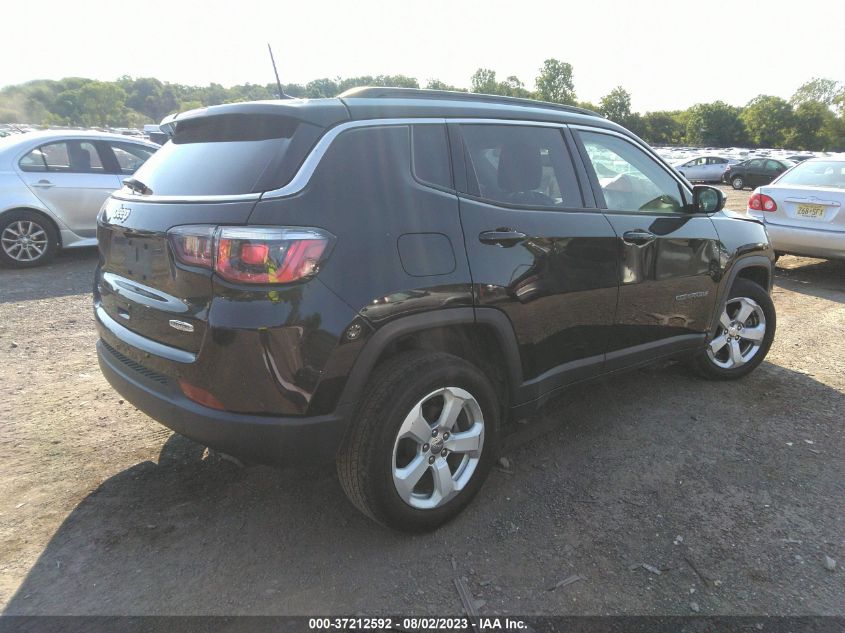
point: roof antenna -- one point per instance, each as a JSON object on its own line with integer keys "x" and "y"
{"x": 282, "y": 94}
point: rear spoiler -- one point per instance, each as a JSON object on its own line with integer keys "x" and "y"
{"x": 320, "y": 112}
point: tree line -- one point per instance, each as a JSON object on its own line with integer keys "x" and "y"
{"x": 812, "y": 119}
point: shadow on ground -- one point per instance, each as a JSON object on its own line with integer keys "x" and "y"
{"x": 612, "y": 480}
{"x": 71, "y": 272}
{"x": 824, "y": 278}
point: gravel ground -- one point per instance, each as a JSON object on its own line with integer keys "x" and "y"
{"x": 661, "y": 492}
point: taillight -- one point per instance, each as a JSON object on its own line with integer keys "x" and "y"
{"x": 260, "y": 255}
{"x": 193, "y": 245}
{"x": 255, "y": 255}
{"x": 762, "y": 202}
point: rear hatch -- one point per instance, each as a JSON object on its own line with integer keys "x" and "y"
{"x": 211, "y": 173}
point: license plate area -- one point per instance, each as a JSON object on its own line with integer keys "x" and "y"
{"x": 810, "y": 211}
{"x": 135, "y": 257}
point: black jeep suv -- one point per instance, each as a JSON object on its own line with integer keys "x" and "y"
{"x": 387, "y": 277}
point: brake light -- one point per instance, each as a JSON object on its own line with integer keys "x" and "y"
{"x": 269, "y": 255}
{"x": 193, "y": 245}
{"x": 762, "y": 202}
{"x": 257, "y": 255}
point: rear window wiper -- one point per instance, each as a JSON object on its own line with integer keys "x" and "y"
{"x": 137, "y": 186}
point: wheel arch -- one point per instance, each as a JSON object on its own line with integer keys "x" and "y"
{"x": 40, "y": 212}
{"x": 756, "y": 268}
{"x": 483, "y": 337}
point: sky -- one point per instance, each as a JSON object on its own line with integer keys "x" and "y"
{"x": 668, "y": 55}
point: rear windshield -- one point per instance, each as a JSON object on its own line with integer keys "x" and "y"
{"x": 827, "y": 173}
{"x": 228, "y": 155}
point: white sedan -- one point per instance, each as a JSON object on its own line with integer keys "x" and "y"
{"x": 52, "y": 185}
{"x": 803, "y": 209}
{"x": 704, "y": 168}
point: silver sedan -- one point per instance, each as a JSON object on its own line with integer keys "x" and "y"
{"x": 804, "y": 209}
{"x": 704, "y": 168}
{"x": 52, "y": 185}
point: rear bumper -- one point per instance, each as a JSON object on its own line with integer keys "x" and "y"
{"x": 266, "y": 439}
{"x": 807, "y": 242}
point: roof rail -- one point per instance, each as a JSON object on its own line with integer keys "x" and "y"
{"x": 378, "y": 92}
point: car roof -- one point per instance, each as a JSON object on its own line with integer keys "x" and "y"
{"x": 44, "y": 136}
{"x": 378, "y": 103}
{"x": 826, "y": 159}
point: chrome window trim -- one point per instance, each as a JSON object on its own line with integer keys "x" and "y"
{"x": 315, "y": 156}
{"x": 636, "y": 143}
{"x": 309, "y": 165}
{"x": 34, "y": 144}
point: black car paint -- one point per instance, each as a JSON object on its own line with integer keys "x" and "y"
{"x": 558, "y": 301}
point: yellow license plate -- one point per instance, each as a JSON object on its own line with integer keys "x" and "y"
{"x": 811, "y": 211}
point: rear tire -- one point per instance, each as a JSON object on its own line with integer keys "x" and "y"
{"x": 391, "y": 463}
{"x": 27, "y": 239}
{"x": 744, "y": 335}
{"x": 738, "y": 183}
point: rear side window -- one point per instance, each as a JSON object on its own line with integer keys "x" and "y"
{"x": 431, "y": 155}
{"x": 228, "y": 155}
{"x": 130, "y": 156}
{"x": 520, "y": 165}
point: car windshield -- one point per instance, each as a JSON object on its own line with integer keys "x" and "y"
{"x": 827, "y": 173}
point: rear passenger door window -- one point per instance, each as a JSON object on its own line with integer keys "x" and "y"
{"x": 431, "y": 163}
{"x": 80, "y": 157}
{"x": 520, "y": 166}
{"x": 56, "y": 156}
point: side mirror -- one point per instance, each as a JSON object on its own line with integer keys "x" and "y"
{"x": 707, "y": 199}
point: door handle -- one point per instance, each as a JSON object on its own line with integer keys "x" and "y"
{"x": 501, "y": 237}
{"x": 638, "y": 237}
{"x": 43, "y": 184}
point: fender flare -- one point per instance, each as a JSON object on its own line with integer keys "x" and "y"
{"x": 749, "y": 261}
{"x": 369, "y": 355}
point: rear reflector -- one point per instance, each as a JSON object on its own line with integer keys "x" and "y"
{"x": 200, "y": 395}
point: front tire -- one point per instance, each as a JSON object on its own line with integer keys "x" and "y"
{"x": 422, "y": 441}
{"x": 737, "y": 182}
{"x": 27, "y": 239}
{"x": 743, "y": 337}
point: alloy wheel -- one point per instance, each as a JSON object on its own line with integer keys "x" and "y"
{"x": 24, "y": 240}
{"x": 437, "y": 448}
{"x": 742, "y": 327}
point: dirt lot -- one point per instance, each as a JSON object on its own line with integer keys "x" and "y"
{"x": 733, "y": 492}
